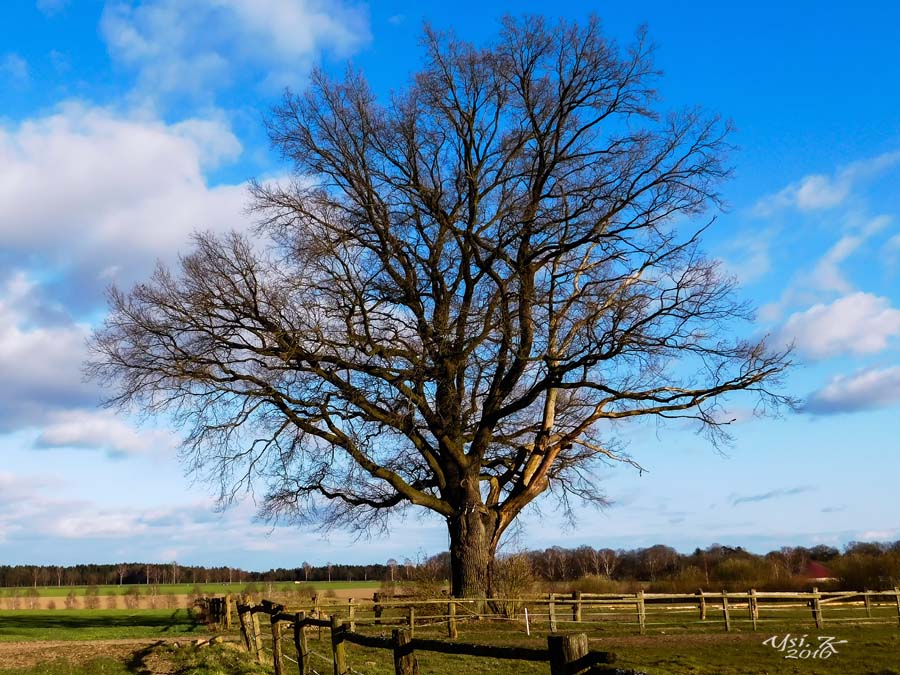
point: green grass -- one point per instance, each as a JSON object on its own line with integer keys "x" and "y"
{"x": 96, "y": 624}
{"x": 869, "y": 650}
{"x": 101, "y": 666}
{"x": 215, "y": 660}
{"x": 186, "y": 589}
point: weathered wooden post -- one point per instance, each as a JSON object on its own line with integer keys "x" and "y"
{"x": 564, "y": 651}
{"x": 753, "y": 601}
{"x": 411, "y": 620}
{"x": 378, "y": 609}
{"x": 338, "y": 649}
{"x": 351, "y": 612}
{"x": 244, "y": 620}
{"x": 552, "y": 609}
{"x": 318, "y": 612}
{"x": 257, "y": 638}
{"x": 576, "y": 606}
{"x": 404, "y": 657}
{"x": 228, "y": 601}
{"x": 451, "y": 621}
{"x": 725, "y": 612}
{"x": 277, "y": 661}
{"x": 300, "y": 644}
{"x": 641, "y": 611}
{"x": 897, "y": 596}
{"x": 867, "y": 600}
{"x": 817, "y": 608}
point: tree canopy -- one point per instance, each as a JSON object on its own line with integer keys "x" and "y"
{"x": 460, "y": 290}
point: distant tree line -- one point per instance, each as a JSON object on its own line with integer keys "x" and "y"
{"x": 859, "y": 565}
{"x": 174, "y": 573}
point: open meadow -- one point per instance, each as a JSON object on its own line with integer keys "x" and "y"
{"x": 150, "y": 643}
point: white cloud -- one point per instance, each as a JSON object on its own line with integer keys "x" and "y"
{"x": 817, "y": 191}
{"x": 96, "y": 197}
{"x": 749, "y": 257}
{"x": 826, "y": 276}
{"x": 92, "y": 190}
{"x": 40, "y": 356}
{"x": 191, "y": 47}
{"x": 866, "y": 390}
{"x": 104, "y": 430}
{"x": 859, "y": 323}
{"x": 15, "y": 68}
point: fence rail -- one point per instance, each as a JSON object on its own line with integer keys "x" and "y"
{"x": 565, "y": 654}
{"x": 582, "y": 611}
{"x": 637, "y": 610}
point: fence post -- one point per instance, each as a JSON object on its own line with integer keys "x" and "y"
{"x": 897, "y": 595}
{"x": 378, "y": 609}
{"x": 552, "y": 610}
{"x": 451, "y": 621}
{"x": 257, "y": 638}
{"x": 725, "y": 612}
{"x": 576, "y": 607}
{"x": 277, "y": 661}
{"x": 817, "y": 608}
{"x": 338, "y": 650}
{"x": 227, "y": 611}
{"x": 404, "y": 657}
{"x": 641, "y": 610}
{"x": 702, "y": 605}
{"x": 351, "y": 608}
{"x": 564, "y": 650}
{"x": 867, "y": 599}
{"x": 754, "y": 607}
{"x": 244, "y": 620}
{"x": 412, "y": 621}
{"x": 300, "y": 644}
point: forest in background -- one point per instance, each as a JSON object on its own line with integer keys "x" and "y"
{"x": 859, "y": 566}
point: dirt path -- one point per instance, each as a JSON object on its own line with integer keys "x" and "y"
{"x": 30, "y": 654}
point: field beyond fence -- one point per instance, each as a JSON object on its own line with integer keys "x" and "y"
{"x": 567, "y": 623}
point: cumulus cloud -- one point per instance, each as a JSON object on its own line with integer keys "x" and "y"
{"x": 826, "y": 276}
{"x": 41, "y": 349}
{"x": 198, "y": 46}
{"x": 104, "y": 430}
{"x": 865, "y": 390}
{"x": 94, "y": 197}
{"x": 92, "y": 191}
{"x": 859, "y": 323}
{"x": 818, "y": 191}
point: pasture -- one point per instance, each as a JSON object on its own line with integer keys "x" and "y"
{"x": 119, "y": 642}
{"x": 188, "y": 588}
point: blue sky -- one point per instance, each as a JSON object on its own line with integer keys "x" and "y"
{"x": 125, "y": 126}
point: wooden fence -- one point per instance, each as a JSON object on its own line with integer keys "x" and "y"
{"x": 636, "y": 612}
{"x": 552, "y": 613}
{"x": 566, "y": 654}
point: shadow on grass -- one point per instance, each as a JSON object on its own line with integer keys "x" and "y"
{"x": 137, "y": 664}
{"x": 64, "y": 621}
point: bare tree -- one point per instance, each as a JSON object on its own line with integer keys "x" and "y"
{"x": 458, "y": 299}
{"x": 609, "y": 559}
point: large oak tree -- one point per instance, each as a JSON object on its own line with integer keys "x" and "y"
{"x": 462, "y": 290}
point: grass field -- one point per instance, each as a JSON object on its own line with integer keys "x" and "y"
{"x": 96, "y": 624}
{"x": 867, "y": 650}
{"x": 187, "y": 589}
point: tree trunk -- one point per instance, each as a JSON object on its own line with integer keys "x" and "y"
{"x": 472, "y": 550}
